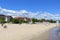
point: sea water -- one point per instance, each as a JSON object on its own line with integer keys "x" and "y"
{"x": 55, "y": 34}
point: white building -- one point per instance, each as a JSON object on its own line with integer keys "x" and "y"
{"x": 4, "y": 17}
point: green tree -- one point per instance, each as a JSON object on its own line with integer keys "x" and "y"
{"x": 15, "y": 21}
{"x": 2, "y": 21}
{"x": 34, "y": 20}
{"x": 42, "y": 20}
{"x": 52, "y": 21}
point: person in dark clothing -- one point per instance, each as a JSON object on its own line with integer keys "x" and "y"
{"x": 5, "y": 26}
{"x": 2, "y": 24}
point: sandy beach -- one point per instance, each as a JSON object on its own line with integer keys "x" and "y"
{"x": 26, "y": 31}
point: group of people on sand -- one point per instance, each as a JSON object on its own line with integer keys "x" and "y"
{"x": 4, "y": 26}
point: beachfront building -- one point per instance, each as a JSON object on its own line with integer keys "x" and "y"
{"x": 8, "y": 18}
{"x": 5, "y": 17}
{"x": 24, "y": 18}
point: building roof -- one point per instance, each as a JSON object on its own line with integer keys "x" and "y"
{"x": 22, "y": 18}
{"x": 2, "y": 15}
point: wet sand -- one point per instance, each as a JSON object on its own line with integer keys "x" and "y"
{"x": 55, "y": 33}
{"x": 26, "y": 31}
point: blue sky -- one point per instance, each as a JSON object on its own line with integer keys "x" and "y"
{"x": 51, "y": 6}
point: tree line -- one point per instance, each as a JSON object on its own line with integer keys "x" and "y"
{"x": 13, "y": 20}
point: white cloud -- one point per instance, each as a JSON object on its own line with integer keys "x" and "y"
{"x": 23, "y": 11}
{"x": 11, "y": 11}
{"x": 26, "y": 13}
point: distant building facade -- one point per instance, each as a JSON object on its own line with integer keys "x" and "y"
{"x": 5, "y": 17}
{"x": 24, "y": 18}
{"x": 8, "y": 18}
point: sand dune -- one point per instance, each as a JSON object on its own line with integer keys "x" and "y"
{"x": 26, "y": 31}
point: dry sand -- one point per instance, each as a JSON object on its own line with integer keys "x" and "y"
{"x": 26, "y": 31}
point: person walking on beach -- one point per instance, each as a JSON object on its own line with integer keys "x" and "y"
{"x": 2, "y": 24}
{"x": 57, "y": 23}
